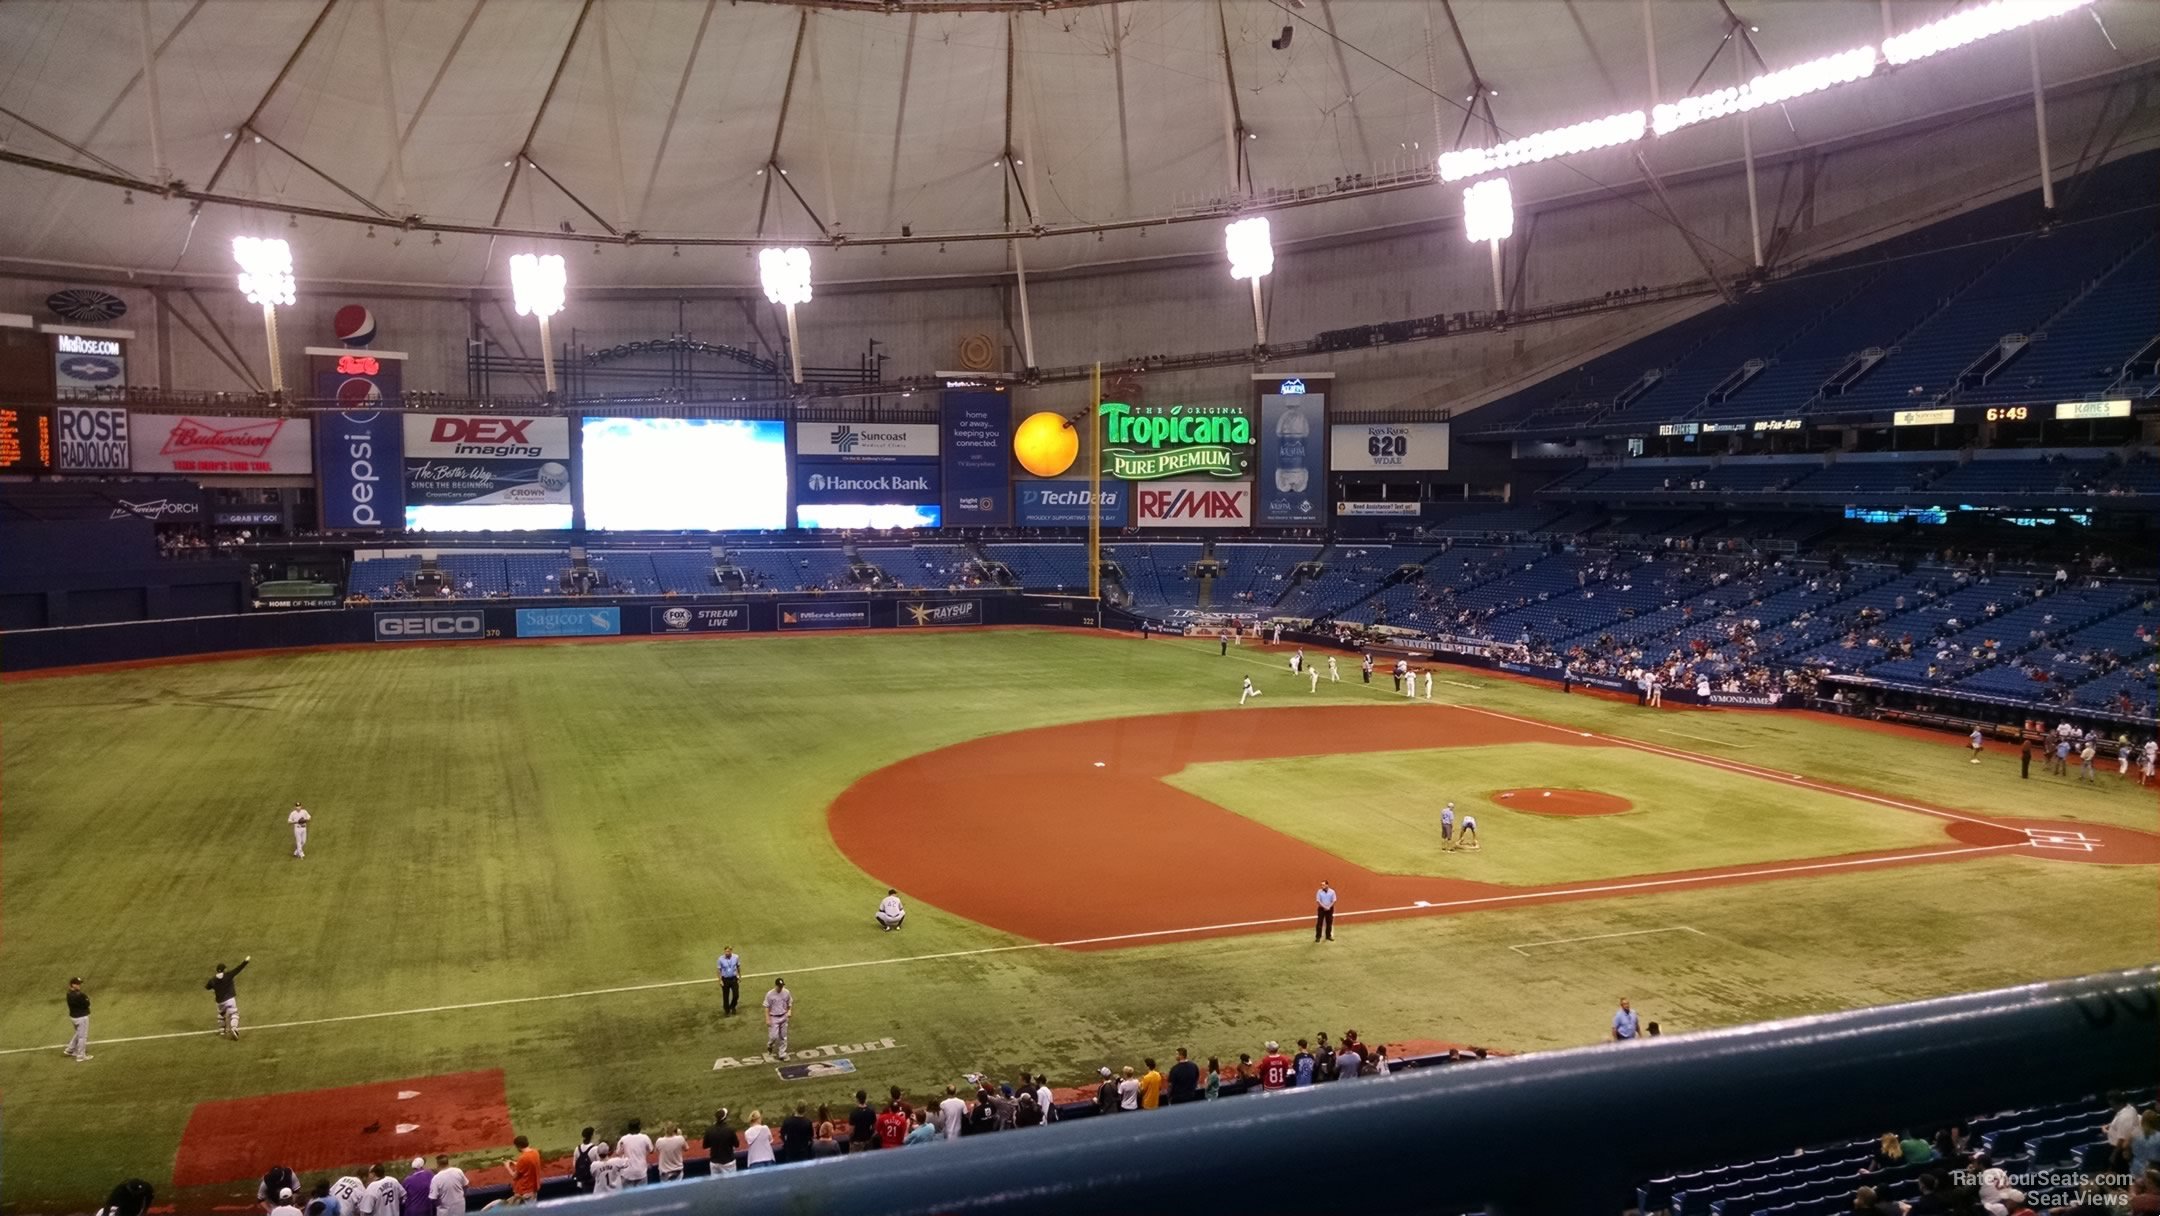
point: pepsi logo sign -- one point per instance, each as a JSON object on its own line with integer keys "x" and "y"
{"x": 354, "y": 325}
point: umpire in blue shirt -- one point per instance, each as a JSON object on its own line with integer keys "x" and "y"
{"x": 730, "y": 968}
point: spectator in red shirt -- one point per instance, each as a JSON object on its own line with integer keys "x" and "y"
{"x": 525, "y": 1173}
{"x": 1274, "y": 1068}
{"x": 892, "y": 1126}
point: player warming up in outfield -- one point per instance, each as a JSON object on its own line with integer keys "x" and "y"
{"x": 1333, "y": 676}
{"x": 1248, "y": 693}
{"x": 779, "y": 1006}
{"x": 889, "y": 911}
{"x": 299, "y": 820}
{"x": 78, "y": 1007}
{"x": 1976, "y": 745}
{"x": 221, "y": 989}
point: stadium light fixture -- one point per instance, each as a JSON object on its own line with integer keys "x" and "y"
{"x": 786, "y": 275}
{"x": 536, "y": 284}
{"x": 1766, "y": 89}
{"x": 1252, "y": 256}
{"x": 1603, "y": 132}
{"x": 266, "y": 278}
{"x": 1971, "y": 25}
{"x": 1489, "y": 216}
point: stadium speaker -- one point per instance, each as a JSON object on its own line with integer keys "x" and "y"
{"x": 1282, "y": 43}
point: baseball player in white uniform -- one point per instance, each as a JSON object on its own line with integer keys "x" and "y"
{"x": 1297, "y": 660}
{"x": 1428, "y": 683}
{"x": 889, "y": 911}
{"x": 299, "y": 820}
{"x": 1249, "y": 691}
{"x": 347, "y": 1192}
{"x": 1409, "y": 683}
{"x": 1467, "y": 838}
{"x": 779, "y": 1007}
{"x": 1314, "y": 672}
{"x": 1333, "y": 676}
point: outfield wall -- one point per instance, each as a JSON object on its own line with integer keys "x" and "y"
{"x": 404, "y": 622}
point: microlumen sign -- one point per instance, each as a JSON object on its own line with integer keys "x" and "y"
{"x": 1146, "y": 442}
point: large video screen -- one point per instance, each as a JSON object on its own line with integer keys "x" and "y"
{"x": 684, "y": 474}
{"x": 867, "y": 515}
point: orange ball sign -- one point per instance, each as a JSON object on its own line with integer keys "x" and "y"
{"x": 1046, "y": 444}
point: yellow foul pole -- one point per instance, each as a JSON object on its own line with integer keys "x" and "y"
{"x": 1091, "y": 451}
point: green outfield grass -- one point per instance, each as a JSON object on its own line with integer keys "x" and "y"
{"x": 1686, "y": 816}
{"x": 521, "y": 822}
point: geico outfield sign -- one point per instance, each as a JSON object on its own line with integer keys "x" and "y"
{"x": 1141, "y": 443}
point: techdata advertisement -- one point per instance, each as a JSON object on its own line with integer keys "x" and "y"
{"x": 1293, "y": 452}
{"x": 360, "y": 471}
{"x": 684, "y": 474}
{"x": 1063, "y": 503}
{"x": 490, "y": 473}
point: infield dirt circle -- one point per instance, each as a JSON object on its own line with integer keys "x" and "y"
{"x": 1561, "y": 802}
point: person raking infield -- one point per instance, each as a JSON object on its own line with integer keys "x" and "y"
{"x": 779, "y": 1006}
{"x": 221, "y": 989}
{"x": 299, "y": 820}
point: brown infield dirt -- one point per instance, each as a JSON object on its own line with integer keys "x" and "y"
{"x": 1564, "y": 803}
{"x": 975, "y": 828}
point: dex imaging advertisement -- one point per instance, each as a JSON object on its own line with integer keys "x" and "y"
{"x": 360, "y": 471}
{"x": 198, "y": 444}
{"x": 487, "y": 473}
{"x": 1293, "y": 461}
{"x": 684, "y": 474}
{"x": 978, "y": 430}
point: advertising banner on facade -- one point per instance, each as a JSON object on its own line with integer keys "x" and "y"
{"x": 924, "y": 613}
{"x": 1410, "y": 509}
{"x": 166, "y": 500}
{"x": 867, "y": 442}
{"x": 93, "y": 438}
{"x": 198, "y": 444}
{"x": 360, "y": 471}
{"x": 818, "y": 481}
{"x": 1146, "y": 442}
{"x": 1064, "y": 503}
{"x": 465, "y": 624}
{"x": 701, "y": 618}
{"x": 1293, "y": 461}
{"x": 593, "y": 621}
{"x": 1385, "y": 447}
{"x": 835, "y": 614}
{"x": 486, "y": 472}
{"x": 88, "y": 368}
{"x": 1193, "y": 504}
{"x": 978, "y": 430}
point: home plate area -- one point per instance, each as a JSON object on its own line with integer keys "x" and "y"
{"x": 319, "y": 1128}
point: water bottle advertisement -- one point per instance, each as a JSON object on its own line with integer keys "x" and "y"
{"x": 1293, "y": 451}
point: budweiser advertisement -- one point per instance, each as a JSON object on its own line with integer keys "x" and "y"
{"x": 1204, "y": 503}
{"x": 208, "y": 444}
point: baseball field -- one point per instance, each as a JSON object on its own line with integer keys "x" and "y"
{"x": 524, "y": 859}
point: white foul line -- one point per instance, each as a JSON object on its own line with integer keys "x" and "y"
{"x": 1525, "y": 947}
{"x": 1419, "y": 906}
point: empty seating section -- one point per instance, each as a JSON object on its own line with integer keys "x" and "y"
{"x": 1871, "y": 477}
{"x": 794, "y": 569}
{"x": 1934, "y": 301}
{"x": 1526, "y": 517}
{"x": 1046, "y": 567}
{"x": 629, "y": 572}
{"x": 923, "y": 565}
{"x": 1348, "y": 574}
{"x": 382, "y": 577}
{"x": 2082, "y": 351}
{"x": 2030, "y": 284}
{"x": 1158, "y": 576}
{"x": 685, "y": 573}
{"x": 481, "y": 574}
{"x": 1257, "y": 575}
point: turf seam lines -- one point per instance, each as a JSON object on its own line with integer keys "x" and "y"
{"x": 1682, "y": 880}
{"x": 1523, "y": 947}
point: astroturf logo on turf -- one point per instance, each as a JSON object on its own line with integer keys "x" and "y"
{"x": 822, "y": 1051}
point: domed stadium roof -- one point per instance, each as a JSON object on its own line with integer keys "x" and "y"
{"x": 903, "y": 138}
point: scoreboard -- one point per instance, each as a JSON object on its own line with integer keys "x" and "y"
{"x": 26, "y": 439}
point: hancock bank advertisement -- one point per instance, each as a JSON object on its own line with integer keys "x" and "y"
{"x": 1146, "y": 442}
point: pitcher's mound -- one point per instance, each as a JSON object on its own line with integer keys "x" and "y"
{"x": 1561, "y": 802}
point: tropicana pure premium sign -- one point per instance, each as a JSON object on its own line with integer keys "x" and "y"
{"x": 1142, "y": 443}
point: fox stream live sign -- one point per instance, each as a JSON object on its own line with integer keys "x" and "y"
{"x": 1146, "y": 442}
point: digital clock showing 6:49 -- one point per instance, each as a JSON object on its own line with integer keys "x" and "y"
{"x": 2009, "y": 413}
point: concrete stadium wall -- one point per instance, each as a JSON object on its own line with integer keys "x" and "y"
{"x": 1612, "y": 235}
